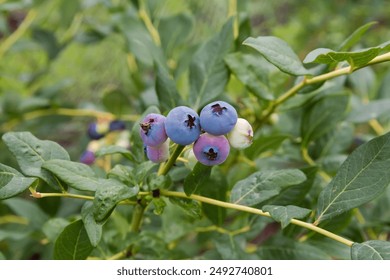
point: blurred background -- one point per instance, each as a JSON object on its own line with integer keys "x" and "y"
{"x": 98, "y": 55}
{"x": 84, "y": 53}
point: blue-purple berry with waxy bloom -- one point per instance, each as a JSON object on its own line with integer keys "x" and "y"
{"x": 88, "y": 157}
{"x": 241, "y": 135}
{"x": 152, "y": 130}
{"x": 211, "y": 149}
{"x": 117, "y": 125}
{"x": 218, "y": 118}
{"x": 182, "y": 125}
{"x": 97, "y": 130}
{"x": 159, "y": 153}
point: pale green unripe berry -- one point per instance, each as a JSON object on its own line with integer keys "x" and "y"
{"x": 241, "y": 136}
{"x": 191, "y": 159}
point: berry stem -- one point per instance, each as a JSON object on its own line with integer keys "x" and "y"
{"x": 165, "y": 167}
{"x": 317, "y": 79}
{"x": 256, "y": 212}
{"x": 136, "y": 219}
{"x": 15, "y": 36}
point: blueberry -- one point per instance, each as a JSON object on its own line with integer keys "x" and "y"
{"x": 218, "y": 118}
{"x": 88, "y": 157}
{"x": 97, "y": 130}
{"x": 182, "y": 125}
{"x": 117, "y": 125}
{"x": 241, "y": 135}
{"x": 210, "y": 149}
{"x": 152, "y": 130}
{"x": 159, "y": 153}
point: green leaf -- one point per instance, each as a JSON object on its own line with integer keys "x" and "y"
{"x": 73, "y": 243}
{"x": 77, "y": 175}
{"x": 284, "y": 214}
{"x": 138, "y": 39}
{"x": 371, "y": 250}
{"x": 372, "y": 110}
{"x": 174, "y": 31}
{"x": 322, "y": 116}
{"x": 159, "y": 205}
{"x": 191, "y": 207}
{"x": 208, "y": 72}
{"x": 361, "y": 178}
{"x": 355, "y": 36}
{"x": 263, "y": 185}
{"x": 123, "y": 173}
{"x": 48, "y": 41}
{"x": 216, "y": 187}
{"x": 93, "y": 229}
{"x": 288, "y": 249}
{"x": 31, "y": 153}
{"x": 116, "y": 102}
{"x": 253, "y": 72}
{"x": 295, "y": 194}
{"x": 112, "y": 149}
{"x": 108, "y": 194}
{"x": 29, "y": 210}
{"x": 53, "y": 228}
{"x": 356, "y": 58}
{"x": 264, "y": 144}
{"x": 143, "y": 170}
{"x": 279, "y": 53}
{"x": 195, "y": 180}
{"x": 229, "y": 248}
{"x": 166, "y": 90}
{"x": 13, "y": 182}
{"x": 155, "y": 181}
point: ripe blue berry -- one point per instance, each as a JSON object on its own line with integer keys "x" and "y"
{"x": 182, "y": 125}
{"x": 117, "y": 125}
{"x": 88, "y": 157}
{"x": 152, "y": 130}
{"x": 159, "y": 153}
{"x": 211, "y": 150}
{"x": 218, "y": 118}
{"x": 97, "y": 130}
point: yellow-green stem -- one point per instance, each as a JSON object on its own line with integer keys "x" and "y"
{"x": 71, "y": 195}
{"x": 318, "y": 79}
{"x": 137, "y": 217}
{"x": 148, "y": 23}
{"x": 165, "y": 167}
{"x": 256, "y": 212}
{"x": 233, "y": 13}
{"x": 12, "y": 219}
{"x": 9, "y": 41}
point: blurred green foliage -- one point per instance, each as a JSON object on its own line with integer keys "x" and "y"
{"x": 101, "y": 55}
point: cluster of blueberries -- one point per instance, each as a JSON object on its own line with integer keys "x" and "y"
{"x": 212, "y": 132}
{"x": 98, "y": 134}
